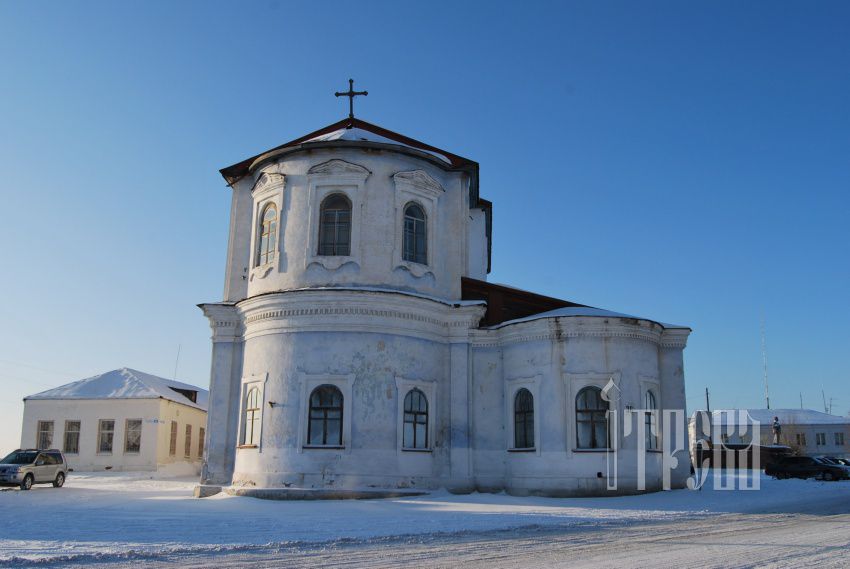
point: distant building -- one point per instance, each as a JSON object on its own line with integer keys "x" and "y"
{"x": 805, "y": 431}
{"x": 122, "y": 420}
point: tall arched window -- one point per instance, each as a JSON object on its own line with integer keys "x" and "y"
{"x": 415, "y": 235}
{"x": 650, "y": 427}
{"x": 267, "y": 244}
{"x": 591, "y": 422}
{"x": 335, "y": 226}
{"x": 523, "y": 419}
{"x": 251, "y": 430}
{"x": 325, "y": 424}
{"x": 415, "y": 428}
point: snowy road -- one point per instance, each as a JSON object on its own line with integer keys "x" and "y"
{"x": 124, "y": 520}
{"x": 730, "y": 540}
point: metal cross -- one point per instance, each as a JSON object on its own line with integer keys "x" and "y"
{"x": 351, "y": 94}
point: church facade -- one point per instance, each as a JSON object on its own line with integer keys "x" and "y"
{"x": 359, "y": 345}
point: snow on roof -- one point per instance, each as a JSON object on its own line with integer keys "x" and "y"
{"x": 358, "y": 134}
{"x": 126, "y": 383}
{"x": 786, "y": 417}
{"x": 571, "y": 311}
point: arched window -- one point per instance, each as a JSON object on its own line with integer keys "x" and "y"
{"x": 415, "y": 428}
{"x": 591, "y": 422}
{"x": 267, "y": 244}
{"x": 335, "y": 226}
{"x": 415, "y": 235}
{"x": 251, "y": 430}
{"x": 325, "y": 424}
{"x": 650, "y": 427}
{"x": 523, "y": 419}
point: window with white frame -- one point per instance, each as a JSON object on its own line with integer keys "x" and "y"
{"x": 839, "y": 439}
{"x": 44, "y": 438}
{"x": 72, "y": 437}
{"x": 335, "y": 226}
{"x": 324, "y": 425}
{"x": 523, "y": 419}
{"x": 820, "y": 439}
{"x": 105, "y": 435}
{"x": 133, "y": 436}
{"x": 415, "y": 428}
{"x": 801, "y": 439}
{"x": 591, "y": 419}
{"x": 415, "y": 240}
{"x": 267, "y": 242}
{"x": 650, "y": 421}
{"x": 252, "y": 417}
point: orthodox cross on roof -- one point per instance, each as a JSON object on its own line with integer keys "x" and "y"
{"x": 351, "y": 94}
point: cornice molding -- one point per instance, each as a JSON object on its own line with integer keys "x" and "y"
{"x": 337, "y": 167}
{"x": 420, "y": 182}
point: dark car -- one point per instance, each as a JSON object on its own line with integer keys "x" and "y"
{"x": 806, "y": 467}
{"x": 25, "y": 467}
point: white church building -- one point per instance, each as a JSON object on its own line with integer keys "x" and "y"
{"x": 123, "y": 419}
{"x": 360, "y": 346}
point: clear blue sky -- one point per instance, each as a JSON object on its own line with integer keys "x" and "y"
{"x": 686, "y": 161}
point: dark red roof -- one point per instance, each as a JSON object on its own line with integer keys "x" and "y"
{"x": 237, "y": 171}
{"x": 505, "y": 303}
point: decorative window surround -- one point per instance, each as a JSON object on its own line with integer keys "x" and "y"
{"x": 429, "y": 388}
{"x": 268, "y": 189}
{"x": 512, "y": 386}
{"x": 335, "y": 176}
{"x": 418, "y": 187}
{"x": 309, "y": 382}
{"x": 575, "y": 382}
{"x": 248, "y": 383}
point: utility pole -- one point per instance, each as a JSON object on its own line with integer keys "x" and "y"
{"x": 764, "y": 363}
{"x": 177, "y": 362}
{"x": 801, "y": 400}
{"x": 707, "y": 405}
{"x": 825, "y": 408}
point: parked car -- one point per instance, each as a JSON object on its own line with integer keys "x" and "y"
{"x": 806, "y": 467}
{"x": 836, "y": 461}
{"x": 25, "y": 467}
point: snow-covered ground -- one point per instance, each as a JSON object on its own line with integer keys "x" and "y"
{"x": 131, "y": 518}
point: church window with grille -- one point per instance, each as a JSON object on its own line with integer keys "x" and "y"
{"x": 523, "y": 419}
{"x": 591, "y": 419}
{"x": 335, "y": 226}
{"x": 415, "y": 427}
{"x": 415, "y": 235}
{"x": 324, "y": 427}
{"x": 267, "y": 244}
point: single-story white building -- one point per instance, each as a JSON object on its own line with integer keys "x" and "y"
{"x": 122, "y": 420}
{"x": 805, "y": 431}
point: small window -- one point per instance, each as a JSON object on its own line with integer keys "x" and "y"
{"x": 335, "y": 226}
{"x": 325, "y": 422}
{"x": 415, "y": 427}
{"x": 267, "y": 245}
{"x": 251, "y": 430}
{"x": 202, "y": 433}
{"x": 820, "y": 439}
{"x": 133, "y": 436}
{"x": 105, "y": 436}
{"x": 72, "y": 437}
{"x": 45, "y": 435}
{"x": 650, "y": 421}
{"x": 415, "y": 235}
{"x": 172, "y": 440}
{"x": 591, "y": 419}
{"x": 839, "y": 439}
{"x": 801, "y": 439}
{"x": 523, "y": 419}
{"x": 187, "y": 443}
